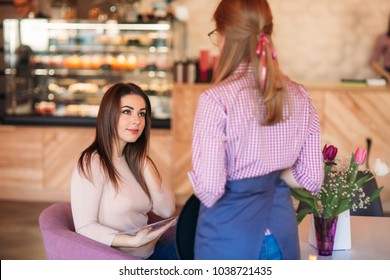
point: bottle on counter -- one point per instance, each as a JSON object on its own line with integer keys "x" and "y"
{"x": 179, "y": 72}
{"x": 204, "y": 65}
{"x": 190, "y": 71}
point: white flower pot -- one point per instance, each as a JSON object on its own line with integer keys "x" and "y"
{"x": 343, "y": 233}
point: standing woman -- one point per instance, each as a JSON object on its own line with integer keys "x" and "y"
{"x": 115, "y": 184}
{"x": 256, "y": 134}
{"x": 380, "y": 58}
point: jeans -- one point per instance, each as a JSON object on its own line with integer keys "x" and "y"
{"x": 270, "y": 249}
{"x": 165, "y": 250}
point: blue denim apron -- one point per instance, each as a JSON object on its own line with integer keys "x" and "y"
{"x": 234, "y": 227}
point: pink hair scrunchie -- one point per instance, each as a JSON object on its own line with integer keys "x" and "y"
{"x": 261, "y": 52}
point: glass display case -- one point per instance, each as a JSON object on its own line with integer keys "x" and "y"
{"x": 57, "y": 71}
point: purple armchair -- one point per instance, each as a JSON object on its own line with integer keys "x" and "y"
{"x": 63, "y": 243}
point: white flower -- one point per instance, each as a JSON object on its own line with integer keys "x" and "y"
{"x": 380, "y": 168}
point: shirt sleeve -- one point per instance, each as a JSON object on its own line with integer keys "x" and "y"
{"x": 85, "y": 202}
{"x": 308, "y": 170}
{"x": 208, "y": 176}
{"x": 163, "y": 201}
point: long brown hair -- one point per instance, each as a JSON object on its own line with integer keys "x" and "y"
{"x": 241, "y": 22}
{"x": 106, "y": 134}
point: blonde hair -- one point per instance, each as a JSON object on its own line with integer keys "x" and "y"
{"x": 241, "y": 22}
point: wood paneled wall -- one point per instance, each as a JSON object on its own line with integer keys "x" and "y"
{"x": 184, "y": 102}
{"x": 350, "y": 117}
{"x": 36, "y": 163}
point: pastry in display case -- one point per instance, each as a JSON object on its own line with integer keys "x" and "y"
{"x": 61, "y": 69}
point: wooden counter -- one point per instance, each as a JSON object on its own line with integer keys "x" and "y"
{"x": 36, "y": 161}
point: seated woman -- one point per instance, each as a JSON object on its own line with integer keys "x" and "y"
{"x": 115, "y": 184}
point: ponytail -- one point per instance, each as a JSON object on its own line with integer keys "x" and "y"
{"x": 269, "y": 79}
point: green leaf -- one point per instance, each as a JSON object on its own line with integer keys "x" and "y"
{"x": 375, "y": 194}
{"x": 328, "y": 168}
{"x": 333, "y": 201}
{"x": 352, "y": 170}
{"x": 302, "y": 192}
{"x": 326, "y": 198}
{"x": 302, "y": 195}
{"x": 362, "y": 180}
{"x": 344, "y": 205}
{"x": 302, "y": 214}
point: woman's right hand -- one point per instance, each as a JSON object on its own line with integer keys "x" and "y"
{"x": 288, "y": 177}
{"x": 143, "y": 237}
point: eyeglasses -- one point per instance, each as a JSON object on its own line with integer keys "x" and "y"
{"x": 213, "y": 36}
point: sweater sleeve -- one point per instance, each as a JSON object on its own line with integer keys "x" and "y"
{"x": 85, "y": 202}
{"x": 163, "y": 201}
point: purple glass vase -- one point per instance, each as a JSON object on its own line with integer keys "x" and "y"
{"x": 325, "y": 234}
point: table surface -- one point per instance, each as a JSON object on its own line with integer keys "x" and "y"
{"x": 370, "y": 239}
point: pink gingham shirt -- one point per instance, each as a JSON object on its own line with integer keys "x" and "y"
{"x": 229, "y": 142}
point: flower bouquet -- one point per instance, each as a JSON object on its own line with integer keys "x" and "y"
{"x": 341, "y": 190}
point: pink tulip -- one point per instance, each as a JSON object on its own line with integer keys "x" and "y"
{"x": 360, "y": 156}
{"x": 329, "y": 154}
